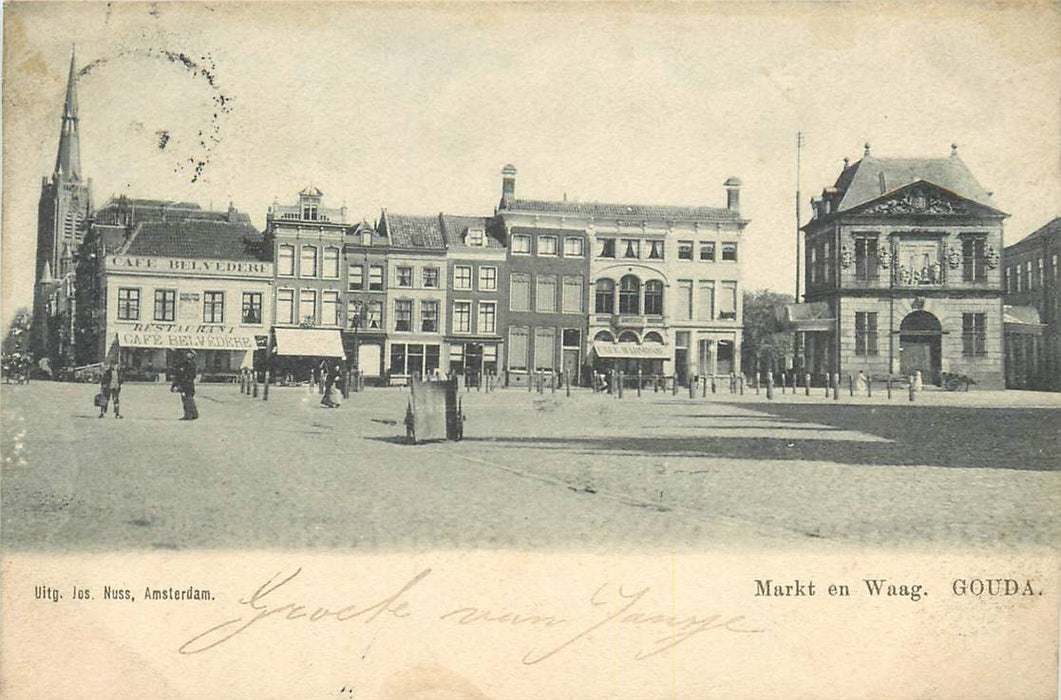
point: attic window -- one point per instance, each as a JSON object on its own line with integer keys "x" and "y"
{"x": 883, "y": 184}
{"x": 476, "y": 237}
{"x": 366, "y": 238}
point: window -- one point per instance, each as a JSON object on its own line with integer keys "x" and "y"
{"x": 355, "y": 278}
{"x": 397, "y": 358}
{"x": 331, "y": 263}
{"x": 630, "y": 295}
{"x": 545, "y": 294}
{"x": 571, "y": 338}
{"x": 812, "y": 265}
{"x": 405, "y": 276}
{"x": 653, "y": 298}
{"x": 487, "y": 320}
{"x": 462, "y": 277}
{"x": 373, "y": 315}
{"x": 827, "y": 261}
{"x": 309, "y": 211}
{"x": 1028, "y": 276}
{"x": 521, "y": 244}
{"x": 606, "y": 248}
{"x": 488, "y": 279}
{"x": 631, "y": 248}
{"x": 573, "y": 247}
{"x": 414, "y": 359}
{"x": 705, "y": 306}
{"x": 403, "y": 315}
{"x": 285, "y": 305}
{"x": 462, "y": 317}
{"x": 685, "y": 250}
{"x": 974, "y": 262}
{"x": 544, "y": 348}
{"x": 728, "y": 308}
{"x": 128, "y": 304}
{"x": 546, "y": 245}
{"x": 604, "y": 297}
{"x": 430, "y": 277}
{"x": 685, "y": 300}
{"x": 375, "y": 278}
{"x": 517, "y": 348}
{"x": 476, "y": 237}
{"x": 166, "y": 305}
{"x": 571, "y": 302}
{"x": 974, "y": 335}
{"x": 1041, "y": 276}
{"x": 729, "y": 252}
{"x": 866, "y": 265}
{"x": 456, "y": 355}
{"x": 252, "y": 307}
{"x": 307, "y": 307}
{"x": 285, "y": 260}
{"x": 490, "y": 359}
{"x": 308, "y": 263}
{"x": 213, "y": 307}
{"x": 707, "y": 252}
{"x": 655, "y": 250}
{"x": 429, "y": 317}
{"x": 866, "y": 333}
{"x": 519, "y": 291}
{"x": 331, "y": 309}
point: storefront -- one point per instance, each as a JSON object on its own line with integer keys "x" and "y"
{"x": 629, "y": 357}
{"x": 297, "y": 354}
{"x": 150, "y": 351}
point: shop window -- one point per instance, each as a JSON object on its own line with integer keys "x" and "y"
{"x": 604, "y": 337}
{"x": 490, "y": 359}
{"x": 252, "y": 308}
{"x": 128, "y": 304}
{"x": 213, "y": 307}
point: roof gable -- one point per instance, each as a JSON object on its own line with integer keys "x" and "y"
{"x": 195, "y": 238}
{"x": 921, "y": 198}
{"x": 871, "y": 178}
{"x": 603, "y": 210}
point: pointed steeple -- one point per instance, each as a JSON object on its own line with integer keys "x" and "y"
{"x": 68, "y": 160}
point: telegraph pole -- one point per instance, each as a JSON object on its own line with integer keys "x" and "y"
{"x": 799, "y": 149}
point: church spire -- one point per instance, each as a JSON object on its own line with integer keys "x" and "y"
{"x": 68, "y": 160}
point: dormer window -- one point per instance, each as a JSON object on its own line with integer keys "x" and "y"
{"x": 476, "y": 237}
{"x": 309, "y": 212}
{"x": 366, "y": 238}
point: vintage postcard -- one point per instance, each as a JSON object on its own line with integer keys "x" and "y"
{"x": 516, "y": 350}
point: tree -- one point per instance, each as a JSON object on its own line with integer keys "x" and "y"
{"x": 15, "y": 354}
{"x": 763, "y": 346}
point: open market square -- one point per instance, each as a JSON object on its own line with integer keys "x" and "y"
{"x": 534, "y": 470}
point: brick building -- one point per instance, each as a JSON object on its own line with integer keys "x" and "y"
{"x": 1033, "y": 311}
{"x": 902, "y": 261}
{"x": 365, "y": 334}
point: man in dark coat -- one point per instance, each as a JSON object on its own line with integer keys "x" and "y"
{"x": 110, "y": 387}
{"x": 184, "y": 382}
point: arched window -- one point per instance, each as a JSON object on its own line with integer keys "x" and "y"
{"x": 604, "y": 337}
{"x": 653, "y": 337}
{"x": 630, "y": 295}
{"x": 605, "y": 297}
{"x": 654, "y": 298}
{"x": 628, "y": 337}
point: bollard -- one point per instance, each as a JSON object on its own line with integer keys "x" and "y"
{"x": 567, "y": 381}
{"x": 714, "y": 387}
{"x": 836, "y": 386}
{"x": 741, "y": 380}
{"x": 769, "y": 386}
{"x": 674, "y": 385}
{"x": 265, "y": 389}
{"x": 889, "y": 386}
{"x": 703, "y": 387}
{"x": 530, "y": 381}
{"x": 732, "y": 383}
{"x": 757, "y": 382}
{"x": 869, "y": 387}
{"x": 826, "y": 377}
{"x": 692, "y": 387}
{"x": 912, "y": 387}
{"x": 655, "y": 384}
{"x": 784, "y": 382}
{"x": 255, "y": 395}
{"x": 806, "y": 384}
{"x": 552, "y": 381}
{"x": 620, "y": 385}
{"x": 242, "y": 382}
{"x": 850, "y": 384}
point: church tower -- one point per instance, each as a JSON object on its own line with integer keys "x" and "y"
{"x": 64, "y": 207}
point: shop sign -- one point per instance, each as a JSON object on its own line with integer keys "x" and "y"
{"x": 219, "y": 268}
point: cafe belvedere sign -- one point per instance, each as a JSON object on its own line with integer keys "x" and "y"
{"x": 189, "y": 267}
{"x": 191, "y": 336}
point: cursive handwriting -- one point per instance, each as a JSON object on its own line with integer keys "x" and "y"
{"x": 227, "y": 630}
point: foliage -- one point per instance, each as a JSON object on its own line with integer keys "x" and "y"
{"x": 15, "y": 353}
{"x": 762, "y": 344}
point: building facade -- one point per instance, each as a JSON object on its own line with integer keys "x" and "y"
{"x": 1033, "y": 311}
{"x": 415, "y": 283}
{"x": 477, "y": 278}
{"x": 662, "y": 285}
{"x": 365, "y": 334}
{"x": 904, "y": 257}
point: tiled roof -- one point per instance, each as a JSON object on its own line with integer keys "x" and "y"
{"x": 871, "y": 178}
{"x": 112, "y": 237}
{"x": 455, "y": 228}
{"x": 412, "y": 231}
{"x": 354, "y": 233}
{"x": 625, "y": 212}
{"x": 1051, "y": 230}
{"x": 193, "y": 238}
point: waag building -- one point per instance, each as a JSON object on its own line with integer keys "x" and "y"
{"x": 902, "y": 274}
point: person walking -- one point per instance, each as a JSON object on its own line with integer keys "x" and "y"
{"x": 333, "y": 378}
{"x": 110, "y": 387}
{"x": 184, "y": 382}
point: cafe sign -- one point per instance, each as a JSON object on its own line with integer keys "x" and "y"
{"x": 174, "y": 336}
{"x": 186, "y": 266}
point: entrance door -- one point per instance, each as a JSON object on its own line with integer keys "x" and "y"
{"x": 571, "y": 364}
{"x": 473, "y": 362}
{"x": 915, "y": 354}
{"x": 681, "y": 368}
{"x": 919, "y": 346}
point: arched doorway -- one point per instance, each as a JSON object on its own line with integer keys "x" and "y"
{"x": 920, "y": 336}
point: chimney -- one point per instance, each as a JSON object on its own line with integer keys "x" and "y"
{"x": 508, "y": 182}
{"x": 733, "y": 194}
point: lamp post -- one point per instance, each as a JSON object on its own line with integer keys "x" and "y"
{"x": 355, "y": 319}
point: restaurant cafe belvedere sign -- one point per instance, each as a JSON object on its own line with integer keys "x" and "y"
{"x": 189, "y": 267}
{"x": 190, "y": 336}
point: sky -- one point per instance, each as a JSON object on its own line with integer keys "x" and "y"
{"x": 418, "y": 107}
